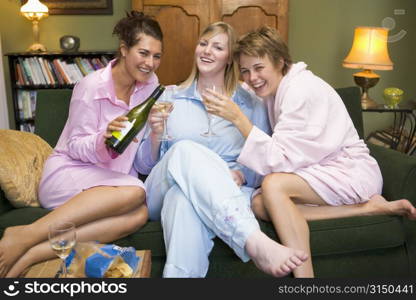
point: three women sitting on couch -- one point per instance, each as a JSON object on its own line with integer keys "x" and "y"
{"x": 203, "y": 187}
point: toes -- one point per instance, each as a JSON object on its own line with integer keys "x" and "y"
{"x": 284, "y": 270}
{"x": 296, "y": 260}
{"x": 2, "y": 272}
{"x": 301, "y": 255}
{"x": 290, "y": 264}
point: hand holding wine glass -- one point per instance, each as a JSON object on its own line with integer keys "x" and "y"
{"x": 62, "y": 238}
{"x": 210, "y": 117}
{"x": 164, "y": 106}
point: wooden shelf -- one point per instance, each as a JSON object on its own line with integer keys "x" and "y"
{"x": 32, "y": 71}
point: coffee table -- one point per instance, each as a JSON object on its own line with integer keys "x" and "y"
{"x": 49, "y": 268}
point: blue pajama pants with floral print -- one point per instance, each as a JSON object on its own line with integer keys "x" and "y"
{"x": 193, "y": 194}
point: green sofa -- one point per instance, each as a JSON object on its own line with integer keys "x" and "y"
{"x": 370, "y": 246}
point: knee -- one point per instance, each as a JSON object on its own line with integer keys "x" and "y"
{"x": 257, "y": 206}
{"x": 185, "y": 149}
{"x": 136, "y": 220}
{"x": 182, "y": 146}
{"x": 132, "y": 197}
{"x": 274, "y": 183}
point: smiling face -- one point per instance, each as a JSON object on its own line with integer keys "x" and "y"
{"x": 261, "y": 74}
{"x": 142, "y": 60}
{"x": 212, "y": 54}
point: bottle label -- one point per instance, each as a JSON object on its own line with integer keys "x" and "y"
{"x": 120, "y": 134}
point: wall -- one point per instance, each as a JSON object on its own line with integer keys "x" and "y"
{"x": 320, "y": 33}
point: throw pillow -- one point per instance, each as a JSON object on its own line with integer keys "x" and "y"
{"x": 22, "y": 155}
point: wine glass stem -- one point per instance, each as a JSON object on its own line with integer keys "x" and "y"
{"x": 209, "y": 124}
{"x": 165, "y": 127}
{"x": 64, "y": 270}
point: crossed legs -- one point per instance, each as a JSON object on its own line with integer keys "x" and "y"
{"x": 207, "y": 198}
{"x": 101, "y": 213}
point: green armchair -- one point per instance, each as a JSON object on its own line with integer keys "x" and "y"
{"x": 368, "y": 246}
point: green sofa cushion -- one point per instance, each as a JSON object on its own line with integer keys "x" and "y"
{"x": 21, "y": 216}
{"x": 328, "y": 237}
{"x": 52, "y": 107}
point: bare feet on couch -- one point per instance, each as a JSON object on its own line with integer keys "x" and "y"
{"x": 12, "y": 247}
{"x": 402, "y": 207}
{"x": 272, "y": 257}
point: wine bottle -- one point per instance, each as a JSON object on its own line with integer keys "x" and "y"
{"x": 137, "y": 118}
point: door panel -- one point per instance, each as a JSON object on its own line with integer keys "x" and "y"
{"x": 183, "y": 20}
{"x": 180, "y": 33}
{"x": 246, "y": 15}
{"x": 245, "y": 19}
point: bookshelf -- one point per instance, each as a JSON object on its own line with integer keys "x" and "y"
{"x": 30, "y": 72}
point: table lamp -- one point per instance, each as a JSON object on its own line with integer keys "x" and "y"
{"x": 35, "y": 11}
{"x": 368, "y": 52}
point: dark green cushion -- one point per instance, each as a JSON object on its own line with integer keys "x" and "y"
{"x": 399, "y": 173}
{"x": 4, "y": 203}
{"x": 351, "y": 97}
{"x": 52, "y": 107}
{"x": 21, "y": 216}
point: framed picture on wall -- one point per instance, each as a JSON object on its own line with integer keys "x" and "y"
{"x": 78, "y": 7}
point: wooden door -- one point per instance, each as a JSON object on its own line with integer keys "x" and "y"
{"x": 246, "y": 15}
{"x": 183, "y": 20}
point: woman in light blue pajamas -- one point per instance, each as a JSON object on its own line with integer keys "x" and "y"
{"x": 195, "y": 186}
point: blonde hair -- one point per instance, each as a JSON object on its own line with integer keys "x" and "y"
{"x": 231, "y": 73}
{"x": 261, "y": 42}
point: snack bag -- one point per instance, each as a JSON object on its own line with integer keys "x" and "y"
{"x": 102, "y": 261}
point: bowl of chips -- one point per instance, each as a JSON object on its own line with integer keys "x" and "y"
{"x": 102, "y": 261}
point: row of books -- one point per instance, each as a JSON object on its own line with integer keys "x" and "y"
{"x": 389, "y": 139}
{"x": 29, "y": 127}
{"x": 42, "y": 71}
{"x": 26, "y": 103}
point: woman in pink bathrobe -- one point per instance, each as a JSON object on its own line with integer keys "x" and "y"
{"x": 314, "y": 156}
{"x": 83, "y": 181}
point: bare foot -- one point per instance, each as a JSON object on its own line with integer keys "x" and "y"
{"x": 271, "y": 257}
{"x": 402, "y": 207}
{"x": 38, "y": 253}
{"x": 12, "y": 247}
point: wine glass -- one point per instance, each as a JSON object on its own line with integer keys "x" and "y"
{"x": 210, "y": 117}
{"x": 62, "y": 238}
{"x": 163, "y": 105}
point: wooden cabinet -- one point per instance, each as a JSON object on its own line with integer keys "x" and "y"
{"x": 183, "y": 20}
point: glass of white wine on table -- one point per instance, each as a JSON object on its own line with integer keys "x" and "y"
{"x": 164, "y": 105}
{"x": 62, "y": 238}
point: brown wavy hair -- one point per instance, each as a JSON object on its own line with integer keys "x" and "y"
{"x": 264, "y": 41}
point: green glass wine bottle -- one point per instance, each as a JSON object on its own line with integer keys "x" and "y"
{"x": 137, "y": 118}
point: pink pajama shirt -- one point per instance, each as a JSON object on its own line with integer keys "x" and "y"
{"x": 313, "y": 137}
{"x": 80, "y": 159}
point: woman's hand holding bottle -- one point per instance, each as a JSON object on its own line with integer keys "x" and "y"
{"x": 116, "y": 125}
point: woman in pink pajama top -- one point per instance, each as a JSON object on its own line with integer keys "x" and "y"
{"x": 315, "y": 165}
{"x": 83, "y": 182}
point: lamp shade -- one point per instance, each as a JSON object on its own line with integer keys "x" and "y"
{"x": 369, "y": 50}
{"x": 34, "y": 6}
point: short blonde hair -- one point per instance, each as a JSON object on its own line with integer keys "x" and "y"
{"x": 261, "y": 42}
{"x": 231, "y": 73}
